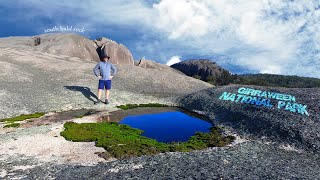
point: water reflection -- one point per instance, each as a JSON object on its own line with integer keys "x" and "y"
{"x": 165, "y": 124}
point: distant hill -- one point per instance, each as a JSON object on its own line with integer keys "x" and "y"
{"x": 209, "y": 71}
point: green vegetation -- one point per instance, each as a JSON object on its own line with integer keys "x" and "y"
{"x": 22, "y": 117}
{"x": 11, "y": 125}
{"x": 80, "y": 116}
{"x": 278, "y": 81}
{"x": 197, "y": 76}
{"x": 122, "y": 141}
{"x": 272, "y": 80}
{"x": 131, "y": 106}
{"x": 211, "y": 79}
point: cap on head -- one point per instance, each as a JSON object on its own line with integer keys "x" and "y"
{"x": 105, "y": 56}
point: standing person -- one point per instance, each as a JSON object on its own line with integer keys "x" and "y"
{"x": 103, "y": 71}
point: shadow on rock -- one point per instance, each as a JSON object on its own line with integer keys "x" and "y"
{"x": 85, "y": 91}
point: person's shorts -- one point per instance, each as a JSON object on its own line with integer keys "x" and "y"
{"x": 104, "y": 84}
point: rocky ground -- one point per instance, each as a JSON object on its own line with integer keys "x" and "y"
{"x": 271, "y": 143}
{"x": 248, "y": 160}
{"x": 33, "y": 81}
{"x": 259, "y": 122}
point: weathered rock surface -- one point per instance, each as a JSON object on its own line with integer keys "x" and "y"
{"x": 250, "y": 160}
{"x": 280, "y": 144}
{"x": 258, "y": 121}
{"x": 118, "y": 53}
{"x": 163, "y": 83}
{"x": 72, "y": 45}
{"x": 203, "y": 68}
{"x": 32, "y": 81}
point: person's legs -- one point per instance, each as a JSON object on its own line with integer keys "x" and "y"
{"x": 107, "y": 93}
{"x": 99, "y": 94}
{"x": 108, "y": 87}
{"x": 100, "y": 88}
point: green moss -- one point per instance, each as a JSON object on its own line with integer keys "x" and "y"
{"x": 80, "y": 116}
{"x": 122, "y": 141}
{"x": 11, "y": 125}
{"x": 22, "y": 117}
{"x": 197, "y": 76}
{"x": 131, "y": 106}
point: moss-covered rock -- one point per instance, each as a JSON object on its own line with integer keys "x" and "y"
{"x": 131, "y": 106}
{"x": 22, "y": 117}
{"x": 15, "y": 125}
{"x": 122, "y": 141}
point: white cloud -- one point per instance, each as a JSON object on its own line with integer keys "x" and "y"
{"x": 173, "y": 60}
{"x": 182, "y": 18}
{"x": 267, "y": 36}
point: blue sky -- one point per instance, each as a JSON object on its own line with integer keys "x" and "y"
{"x": 244, "y": 36}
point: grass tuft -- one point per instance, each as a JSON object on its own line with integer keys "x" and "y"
{"x": 15, "y": 125}
{"x": 122, "y": 141}
{"x": 22, "y": 117}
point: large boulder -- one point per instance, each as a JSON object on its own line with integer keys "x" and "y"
{"x": 72, "y": 45}
{"x": 68, "y": 44}
{"x": 119, "y": 54}
{"x": 204, "y": 69}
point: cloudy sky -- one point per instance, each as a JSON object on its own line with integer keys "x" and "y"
{"x": 244, "y": 36}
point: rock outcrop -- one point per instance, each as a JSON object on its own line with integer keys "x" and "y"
{"x": 149, "y": 81}
{"x": 206, "y": 70}
{"x": 118, "y": 53}
{"x": 68, "y": 44}
{"x": 284, "y": 125}
{"x": 72, "y": 45}
{"x": 33, "y": 81}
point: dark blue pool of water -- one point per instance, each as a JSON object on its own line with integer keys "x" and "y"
{"x": 167, "y": 126}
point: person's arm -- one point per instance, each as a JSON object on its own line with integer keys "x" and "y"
{"x": 114, "y": 70}
{"x": 96, "y": 70}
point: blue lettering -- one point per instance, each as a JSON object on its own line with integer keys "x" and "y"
{"x": 281, "y": 104}
{"x": 256, "y": 101}
{"x": 242, "y": 90}
{"x": 254, "y": 97}
{"x": 248, "y": 99}
{"x": 251, "y": 92}
{"x": 224, "y": 96}
{"x": 264, "y": 94}
{"x": 239, "y": 97}
{"x": 232, "y": 97}
{"x": 279, "y": 96}
{"x": 272, "y": 95}
{"x": 293, "y": 99}
{"x": 302, "y": 109}
{"x": 257, "y": 93}
{"x": 268, "y": 103}
{"x": 243, "y": 99}
{"x": 289, "y": 107}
